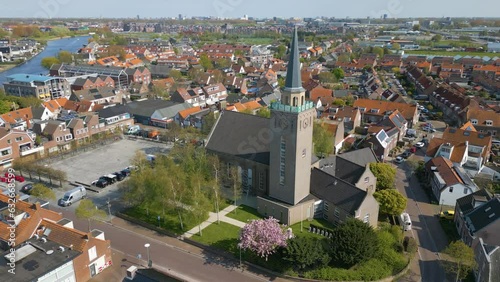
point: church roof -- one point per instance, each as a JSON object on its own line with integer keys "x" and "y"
{"x": 237, "y": 134}
{"x": 293, "y": 80}
{"x": 336, "y": 191}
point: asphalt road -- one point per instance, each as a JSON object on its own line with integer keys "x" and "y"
{"x": 426, "y": 228}
{"x": 189, "y": 265}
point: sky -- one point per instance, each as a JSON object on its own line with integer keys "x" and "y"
{"x": 252, "y": 8}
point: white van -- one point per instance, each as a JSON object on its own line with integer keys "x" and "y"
{"x": 73, "y": 196}
{"x": 405, "y": 221}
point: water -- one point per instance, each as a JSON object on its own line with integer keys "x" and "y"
{"x": 53, "y": 47}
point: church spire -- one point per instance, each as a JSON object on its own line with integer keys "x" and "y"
{"x": 293, "y": 82}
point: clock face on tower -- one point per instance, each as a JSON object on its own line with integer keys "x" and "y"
{"x": 305, "y": 123}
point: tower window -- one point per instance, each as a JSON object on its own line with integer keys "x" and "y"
{"x": 282, "y": 161}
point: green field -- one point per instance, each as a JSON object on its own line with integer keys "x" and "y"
{"x": 244, "y": 214}
{"x": 451, "y": 54}
{"x": 224, "y": 236}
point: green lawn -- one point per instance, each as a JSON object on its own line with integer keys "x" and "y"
{"x": 305, "y": 228}
{"x": 168, "y": 222}
{"x": 224, "y": 236}
{"x": 452, "y": 53}
{"x": 244, "y": 214}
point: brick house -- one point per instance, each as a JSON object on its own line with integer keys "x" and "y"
{"x": 14, "y": 144}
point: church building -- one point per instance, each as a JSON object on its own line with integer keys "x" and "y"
{"x": 277, "y": 163}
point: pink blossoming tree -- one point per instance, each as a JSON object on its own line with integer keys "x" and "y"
{"x": 263, "y": 236}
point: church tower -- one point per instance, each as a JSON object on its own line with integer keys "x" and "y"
{"x": 291, "y": 146}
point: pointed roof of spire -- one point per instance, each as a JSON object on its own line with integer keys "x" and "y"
{"x": 293, "y": 80}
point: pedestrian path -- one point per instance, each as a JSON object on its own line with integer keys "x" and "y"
{"x": 213, "y": 218}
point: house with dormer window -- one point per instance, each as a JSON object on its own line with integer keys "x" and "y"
{"x": 373, "y": 111}
{"x": 449, "y": 181}
{"x": 215, "y": 93}
{"x": 478, "y": 216}
{"x": 195, "y": 96}
{"x": 463, "y": 146}
{"x": 485, "y": 121}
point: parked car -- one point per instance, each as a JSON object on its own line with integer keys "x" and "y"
{"x": 101, "y": 183}
{"x": 428, "y": 129}
{"x": 419, "y": 144}
{"x": 425, "y": 111}
{"x": 406, "y": 154}
{"x": 119, "y": 175}
{"x": 72, "y": 196}
{"x": 126, "y": 172}
{"x": 399, "y": 159}
{"x": 110, "y": 178}
{"x": 26, "y": 189}
{"x": 413, "y": 149}
{"x": 449, "y": 214}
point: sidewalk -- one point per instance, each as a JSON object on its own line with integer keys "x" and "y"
{"x": 213, "y": 218}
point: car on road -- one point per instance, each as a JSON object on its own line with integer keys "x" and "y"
{"x": 449, "y": 214}
{"x": 428, "y": 129}
{"x": 26, "y": 189}
{"x": 399, "y": 159}
{"x": 72, "y": 196}
{"x": 419, "y": 144}
{"x": 406, "y": 154}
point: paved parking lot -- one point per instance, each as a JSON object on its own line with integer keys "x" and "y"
{"x": 88, "y": 166}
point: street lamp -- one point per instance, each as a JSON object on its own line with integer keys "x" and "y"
{"x": 150, "y": 263}
{"x": 109, "y": 208}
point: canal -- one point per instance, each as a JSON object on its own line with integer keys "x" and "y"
{"x": 53, "y": 47}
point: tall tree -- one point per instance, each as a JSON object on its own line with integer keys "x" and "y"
{"x": 47, "y": 62}
{"x": 65, "y": 57}
{"x": 339, "y": 73}
{"x": 263, "y": 236}
{"x": 175, "y": 74}
{"x": 87, "y": 210}
{"x": 353, "y": 242}
{"x": 234, "y": 178}
{"x": 391, "y": 201}
{"x": 323, "y": 140}
{"x": 386, "y": 175}
{"x": 463, "y": 259}
{"x": 205, "y": 62}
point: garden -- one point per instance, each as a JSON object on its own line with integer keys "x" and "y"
{"x": 358, "y": 252}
